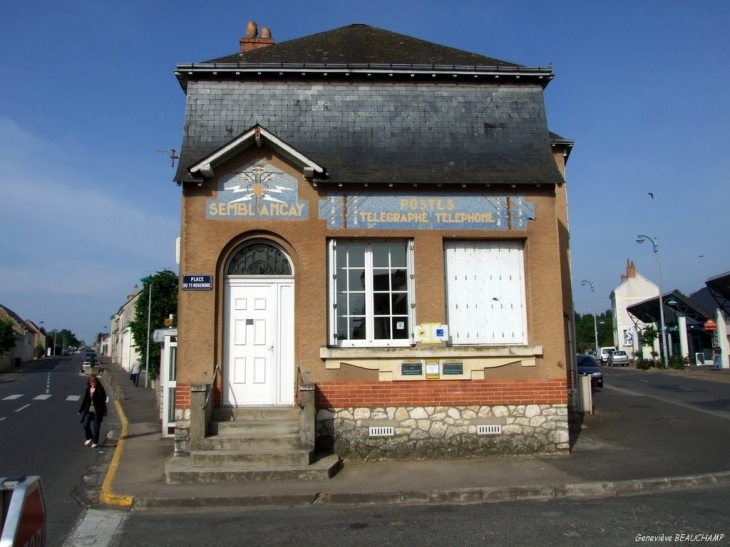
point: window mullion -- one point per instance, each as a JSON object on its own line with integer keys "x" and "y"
{"x": 369, "y": 313}
{"x": 333, "y": 291}
{"x": 410, "y": 283}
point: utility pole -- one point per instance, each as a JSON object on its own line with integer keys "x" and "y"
{"x": 595, "y": 319}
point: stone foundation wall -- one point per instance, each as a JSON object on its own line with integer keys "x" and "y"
{"x": 182, "y": 431}
{"x": 443, "y": 432}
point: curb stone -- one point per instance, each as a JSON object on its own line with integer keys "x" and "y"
{"x": 587, "y": 490}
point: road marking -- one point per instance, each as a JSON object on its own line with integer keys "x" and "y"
{"x": 44, "y": 397}
{"x": 22, "y": 407}
{"x": 98, "y": 528}
{"x": 1, "y": 419}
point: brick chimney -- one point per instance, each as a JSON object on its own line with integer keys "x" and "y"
{"x": 252, "y": 41}
{"x": 630, "y": 271}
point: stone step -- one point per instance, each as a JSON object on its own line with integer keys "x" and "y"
{"x": 254, "y": 428}
{"x": 230, "y": 442}
{"x": 256, "y": 413}
{"x": 254, "y": 457}
{"x": 179, "y": 470}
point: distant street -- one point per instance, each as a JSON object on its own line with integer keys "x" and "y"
{"x": 40, "y": 434}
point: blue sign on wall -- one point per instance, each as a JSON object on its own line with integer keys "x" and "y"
{"x": 197, "y": 282}
{"x": 412, "y": 211}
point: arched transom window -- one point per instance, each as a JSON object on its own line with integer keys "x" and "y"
{"x": 259, "y": 259}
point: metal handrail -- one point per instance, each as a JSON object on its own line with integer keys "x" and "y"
{"x": 207, "y": 398}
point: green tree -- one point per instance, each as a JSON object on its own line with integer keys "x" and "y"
{"x": 7, "y": 336}
{"x": 585, "y": 331}
{"x": 164, "y": 302}
{"x": 649, "y": 336}
{"x": 605, "y": 329}
{"x": 63, "y": 338}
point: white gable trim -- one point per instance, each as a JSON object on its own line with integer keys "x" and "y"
{"x": 258, "y": 135}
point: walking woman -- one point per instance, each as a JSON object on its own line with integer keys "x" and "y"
{"x": 93, "y": 408}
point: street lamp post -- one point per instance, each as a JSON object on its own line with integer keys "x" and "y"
{"x": 665, "y": 353}
{"x": 45, "y": 339}
{"x": 595, "y": 320}
{"x": 149, "y": 312}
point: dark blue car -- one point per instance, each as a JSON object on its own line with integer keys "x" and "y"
{"x": 588, "y": 367}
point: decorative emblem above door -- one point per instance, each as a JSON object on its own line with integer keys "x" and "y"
{"x": 257, "y": 191}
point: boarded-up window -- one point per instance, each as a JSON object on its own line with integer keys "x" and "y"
{"x": 485, "y": 292}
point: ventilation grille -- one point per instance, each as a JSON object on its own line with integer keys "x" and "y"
{"x": 387, "y": 431}
{"x": 489, "y": 430}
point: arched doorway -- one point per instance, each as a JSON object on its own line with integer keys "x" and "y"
{"x": 259, "y": 327}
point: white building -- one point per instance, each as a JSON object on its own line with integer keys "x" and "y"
{"x": 634, "y": 288}
{"x": 121, "y": 342}
{"x": 25, "y": 337}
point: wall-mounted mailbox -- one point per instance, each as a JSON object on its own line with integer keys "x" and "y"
{"x": 453, "y": 367}
{"x": 411, "y": 368}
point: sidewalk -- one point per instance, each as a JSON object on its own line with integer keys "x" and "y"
{"x": 596, "y": 467}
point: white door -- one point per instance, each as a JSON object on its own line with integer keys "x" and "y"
{"x": 259, "y": 364}
{"x": 168, "y": 376}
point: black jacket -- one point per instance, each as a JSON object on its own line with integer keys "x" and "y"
{"x": 99, "y": 400}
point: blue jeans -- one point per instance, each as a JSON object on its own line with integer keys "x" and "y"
{"x": 97, "y": 419}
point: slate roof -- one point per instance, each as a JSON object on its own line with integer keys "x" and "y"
{"x": 423, "y": 130}
{"x": 6, "y": 314}
{"x": 360, "y": 43}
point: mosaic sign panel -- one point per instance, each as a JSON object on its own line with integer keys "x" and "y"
{"x": 257, "y": 191}
{"x": 413, "y": 211}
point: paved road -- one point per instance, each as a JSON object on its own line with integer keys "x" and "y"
{"x": 710, "y": 397}
{"x": 688, "y": 517}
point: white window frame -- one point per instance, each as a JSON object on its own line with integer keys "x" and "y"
{"x": 369, "y": 314}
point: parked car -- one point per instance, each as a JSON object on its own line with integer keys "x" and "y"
{"x": 588, "y": 367}
{"x": 605, "y": 352}
{"x": 90, "y": 360}
{"x": 618, "y": 358}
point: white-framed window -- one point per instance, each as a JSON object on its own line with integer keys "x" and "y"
{"x": 371, "y": 292}
{"x": 485, "y": 292}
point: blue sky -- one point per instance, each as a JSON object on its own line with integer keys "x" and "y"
{"x": 89, "y": 96}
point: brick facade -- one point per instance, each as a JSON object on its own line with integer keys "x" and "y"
{"x": 446, "y": 393}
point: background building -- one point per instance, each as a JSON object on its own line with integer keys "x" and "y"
{"x": 634, "y": 288}
{"x": 122, "y": 345}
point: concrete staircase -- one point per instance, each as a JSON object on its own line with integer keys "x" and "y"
{"x": 251, "y": 444}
